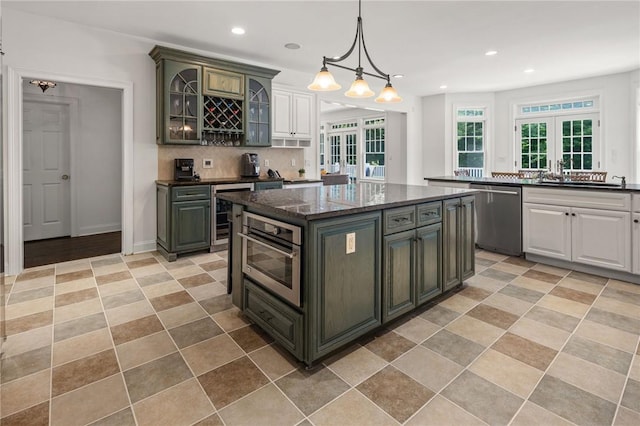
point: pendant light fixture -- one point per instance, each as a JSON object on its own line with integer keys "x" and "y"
{"x": 325, "y": 82}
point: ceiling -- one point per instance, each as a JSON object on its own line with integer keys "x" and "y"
{"x": 433, "y": 43}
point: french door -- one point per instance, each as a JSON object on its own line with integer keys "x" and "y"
{"x": 573, "y": 139}
{"x": 343, "y": 153}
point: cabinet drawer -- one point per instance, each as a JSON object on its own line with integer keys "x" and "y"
{"x": 194, "y": 192}
{"x": 603, "y": 200}
{"x": 277, "y": 318}
{"x": 636, "y": 203}
{"x": 400, "y": 219}
{"x": 226, "y": 84}
{"x": 429, "y": 213}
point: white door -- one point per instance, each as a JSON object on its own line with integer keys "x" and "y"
{"x": 46, "y": 194}
{"x": 601, "y": 238}
{"x": 546, "y": 230}
{"x": 343, "y": 153}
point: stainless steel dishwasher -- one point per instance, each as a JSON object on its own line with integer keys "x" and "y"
{"x": 499, "y": 218}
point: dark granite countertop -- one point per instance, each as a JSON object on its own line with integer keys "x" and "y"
{"x": 340, "y": 200}
{"x": 300, "y": 181}
{"x": 217, "y": 181}
{"x": 630, "y": 187}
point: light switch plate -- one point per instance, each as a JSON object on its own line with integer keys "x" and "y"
{"x": 207, "y": 163}
{"x": 351, "y": 242}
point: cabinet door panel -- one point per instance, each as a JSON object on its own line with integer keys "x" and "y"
{"x": 190, "y": 225}
{"x": 546, "y": 230}
{"x": 222, "y": 83}
{"x": 636, "y": 243}
{"x": 282, "y": 114}
{"x": 601, "y": 238}
{"x": 451, "y": 263}
{"x": 428, "y": 262}
{"x": 398, "y": 273}
{"x": 182, "y": 118}
{"x": 467, "y": 237}
{"x": 302, "y": 116}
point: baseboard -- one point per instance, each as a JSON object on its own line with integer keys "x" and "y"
{"x": 99, "y": 229}
{"x": 144, "y": 246}
{"x": 594, "y": 270}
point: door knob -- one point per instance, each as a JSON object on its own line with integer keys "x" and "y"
{"x": 65, "y": 177}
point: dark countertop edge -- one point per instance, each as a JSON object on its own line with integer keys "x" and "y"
{"x": 347, "y": 212}
{"x": 217, "y": 181}
{"x": 298, "y": 182}
{"x": 630, "y": 187}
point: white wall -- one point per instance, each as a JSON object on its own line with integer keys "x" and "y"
{"x": 97, "y": 156}
{"x": 619, "y": 116}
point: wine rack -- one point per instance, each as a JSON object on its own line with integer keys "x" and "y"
{"x": 222, "y": 115}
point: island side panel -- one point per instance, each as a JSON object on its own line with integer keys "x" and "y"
{"x": 343, "y": 289}
{"x": 235, "y": 257}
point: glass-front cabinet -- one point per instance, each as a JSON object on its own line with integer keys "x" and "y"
{"x": 183, "y": 103}
{"x": 259, "y": 112}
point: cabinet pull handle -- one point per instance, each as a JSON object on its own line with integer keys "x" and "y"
{"x": 400, "y": 219}
{"x": 636, "y": 221}
{"x": 573, "y": 214}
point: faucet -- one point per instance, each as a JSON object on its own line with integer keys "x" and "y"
{"x": 560, "y": 167}
{"x": 623, "y": 178}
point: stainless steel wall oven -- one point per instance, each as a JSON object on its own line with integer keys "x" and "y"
{"x": 271, "y": 255}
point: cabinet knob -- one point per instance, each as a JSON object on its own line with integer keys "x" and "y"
{"x": 573, "y": 214}
{"x": 566, "y": 214}
{"x": 636, "y": 220}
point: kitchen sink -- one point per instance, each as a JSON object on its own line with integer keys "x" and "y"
{"x": 580, "y": 184}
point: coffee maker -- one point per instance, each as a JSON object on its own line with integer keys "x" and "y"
{"x": 250, "y": 165}
{"x": 184, "y": 169}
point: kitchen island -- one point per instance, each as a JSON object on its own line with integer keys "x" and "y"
{"x": 366, "y": 254}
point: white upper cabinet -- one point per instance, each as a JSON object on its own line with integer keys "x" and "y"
{"x": 292, "y": 115}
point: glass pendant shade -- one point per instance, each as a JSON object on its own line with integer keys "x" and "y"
{"x": 359, "y": 89}
{"x": 324, "y": 82}
{"x": 388, "y": 95}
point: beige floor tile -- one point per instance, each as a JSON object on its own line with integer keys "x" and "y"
{"x": 608, "y": 335}
{"x": 634, "y": 373}
{"x": 32, "y": 284}
{"x": 266, "y": 406}
{"x": 77, "y": 310}
{"x": 580, "y": 285}
{"x": 625, "y": 286}
{"x": 26, "y": 392}
{"x": 475, "y": 330}
{"x": 351, "y": 408}
{"x": 212, "y": 353}
{"x": 73, "y": 266}
{"x": 533, "y": 415}
{"x": 561, "y": 272}
{"x": 565, "y": 306}
{"x": 162, "y": 289}
{"x": 626, "y": 417}
{"x": 76, "y": 285}
{"x": 540, "y": 333}
{"x": 117, "y": 287}
{"x": 207, "y": 291}
{"x": 416, "y": 329}
{"x": 168, "y": 407}
{"x": 355, "y": 366}
{"x": 231, "y": 319}
{"x": 593, "y": 378}
{"x": 147, "y": 270}
{"x": 458, "y": 303}
{"x": 440, "y": 411}
{"x": 531, "y": 284}
{"x": 138, "y": 256}
{"x": 615, "y": 306}
{"x": 508, "y": 304}
{"x": 489, "y": 255}
{"x": 187, "y": 271}
{"x": 201, "y": 258}
{"x": 27, "y": 308}
{"x": 89, "y": 403}
{"x": 512, "y": 269}
{"x": 274, "y": 361}
{"x": 137, "y": 352}
{"x": 486, "y": 283}
{"x": 110, "y": 269}
{"x": 219, "y": 274}
{"x": 427, "y": 367}
{"x": 182, "y": 314}
{"x": 130, "y": 312}
{"x": 27, "y": 341}
{"x": 507, "y": 372}
{"x": 81, "y": 346}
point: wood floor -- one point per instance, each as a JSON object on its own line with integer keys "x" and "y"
{"x": 56, "y": 250}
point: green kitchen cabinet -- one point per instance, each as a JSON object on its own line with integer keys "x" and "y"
{"x": 261, "y": 186}
{"x": 183, "y": 219}
{"x": 458, "y": 240}
{"x": 399, "y": 274}
{"x": 258, "y": 112}
{"x": 429, "y": 263}
{"x": 343, "y": 283}
{"x": 179, "y": 121}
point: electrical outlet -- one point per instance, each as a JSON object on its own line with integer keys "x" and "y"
{"x": 266, "y": 163}
{"x": 351, "y": 242}
{"x": 207, "y": 163}
{"x": 293, "y": 161}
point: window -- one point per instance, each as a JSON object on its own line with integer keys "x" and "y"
{"x": 572, "y": 139}
{"x": 470, "y": 139}
{"x": 374, "y": 138}
{"x": 322, "y": 147}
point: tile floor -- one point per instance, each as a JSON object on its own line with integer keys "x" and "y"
{"x": 136, "y": 340}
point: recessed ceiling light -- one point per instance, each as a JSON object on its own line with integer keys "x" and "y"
{"x": 292, "y": 46}
{"x": 398, "y": 76}
{"x": 237, "y": 30}
{"x": 444, "y": 86}
{"x": 529, "y": 70}
{"x": 491, "y": 52}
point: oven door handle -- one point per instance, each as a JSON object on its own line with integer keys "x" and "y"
{"x": 270, "y": 247}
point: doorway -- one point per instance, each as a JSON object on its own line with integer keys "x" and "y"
{"x": 72, "y": 169}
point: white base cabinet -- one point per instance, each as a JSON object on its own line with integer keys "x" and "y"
{"x": 635, "y": 237}
{"x": 565, "y": 230}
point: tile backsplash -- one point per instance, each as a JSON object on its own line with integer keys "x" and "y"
{"x": 226, "y": 160}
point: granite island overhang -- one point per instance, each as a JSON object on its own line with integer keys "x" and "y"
{"x": 368, "y": 253}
